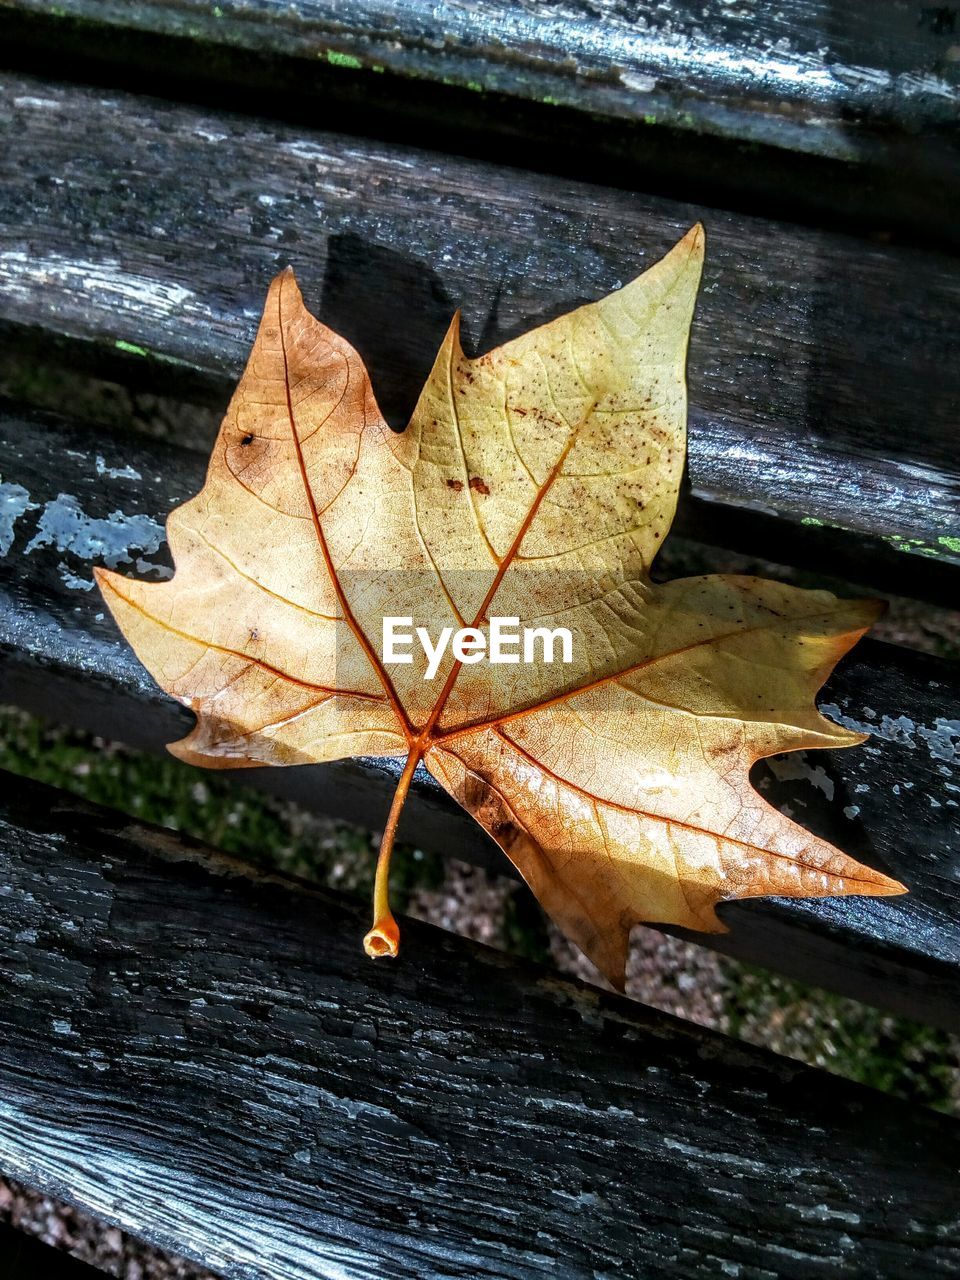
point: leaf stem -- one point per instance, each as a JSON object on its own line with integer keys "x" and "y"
{"x": 384, "y": 937}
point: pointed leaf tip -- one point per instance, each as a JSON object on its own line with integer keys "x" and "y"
{"x": 453, "y": 329}
{"x": 694, "y": 241}
{"x": 104, "y": 577}
{"x": 286, "y": 275}
{"x": 884, "y": 886}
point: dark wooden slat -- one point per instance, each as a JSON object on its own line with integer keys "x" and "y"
{"x": 890, "y": 178}
{"x": 206, "y": 1057}
{"x": 805, "y": 75}
{"x": 819, "y": 388}
{"x": 893, "y": 803}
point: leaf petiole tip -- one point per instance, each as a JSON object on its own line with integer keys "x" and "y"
{"x": 383, "y": 939}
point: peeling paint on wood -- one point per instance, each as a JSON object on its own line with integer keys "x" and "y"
{"x": 941, "y": 739}
{"x": 110, "y": 540}
{"x": 14, "y": 502}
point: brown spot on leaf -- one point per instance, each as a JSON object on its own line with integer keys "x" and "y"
{"x": 455, "y": 485}
{"x": 506, "y": 833}
{"x": 479, "y": 485}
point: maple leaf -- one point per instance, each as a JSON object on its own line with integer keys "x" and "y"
{"x": 539, "y": 479}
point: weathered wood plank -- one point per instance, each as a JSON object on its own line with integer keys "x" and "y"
{"x": 803, "y": 75}
{"x": 818, "y": 382}
{"x": 205, "y": 1056}
{"x": 72, "y": 500}
{"x": 886, "y": 173}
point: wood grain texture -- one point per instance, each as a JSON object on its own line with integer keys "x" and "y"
{"x": 820, "y": 387}
{"x": 205, "y": 1056}
{"x": 889, "y": 178}
{"x": 806, "y": 75}
{"x": 892, "y": 804}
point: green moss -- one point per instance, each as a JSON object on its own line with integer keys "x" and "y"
{"x": 913, "y": 546}
{"x": 337, "y": 59}
{"x": 473, "y": 85}
{"x": 130, "y": 348}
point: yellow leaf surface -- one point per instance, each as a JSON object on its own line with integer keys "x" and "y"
{"x": 535, "y": 483}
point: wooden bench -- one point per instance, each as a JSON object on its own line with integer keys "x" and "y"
{"x": 200, "y": 1052}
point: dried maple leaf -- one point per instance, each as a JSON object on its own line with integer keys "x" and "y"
{"x": 539, "y": 479}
